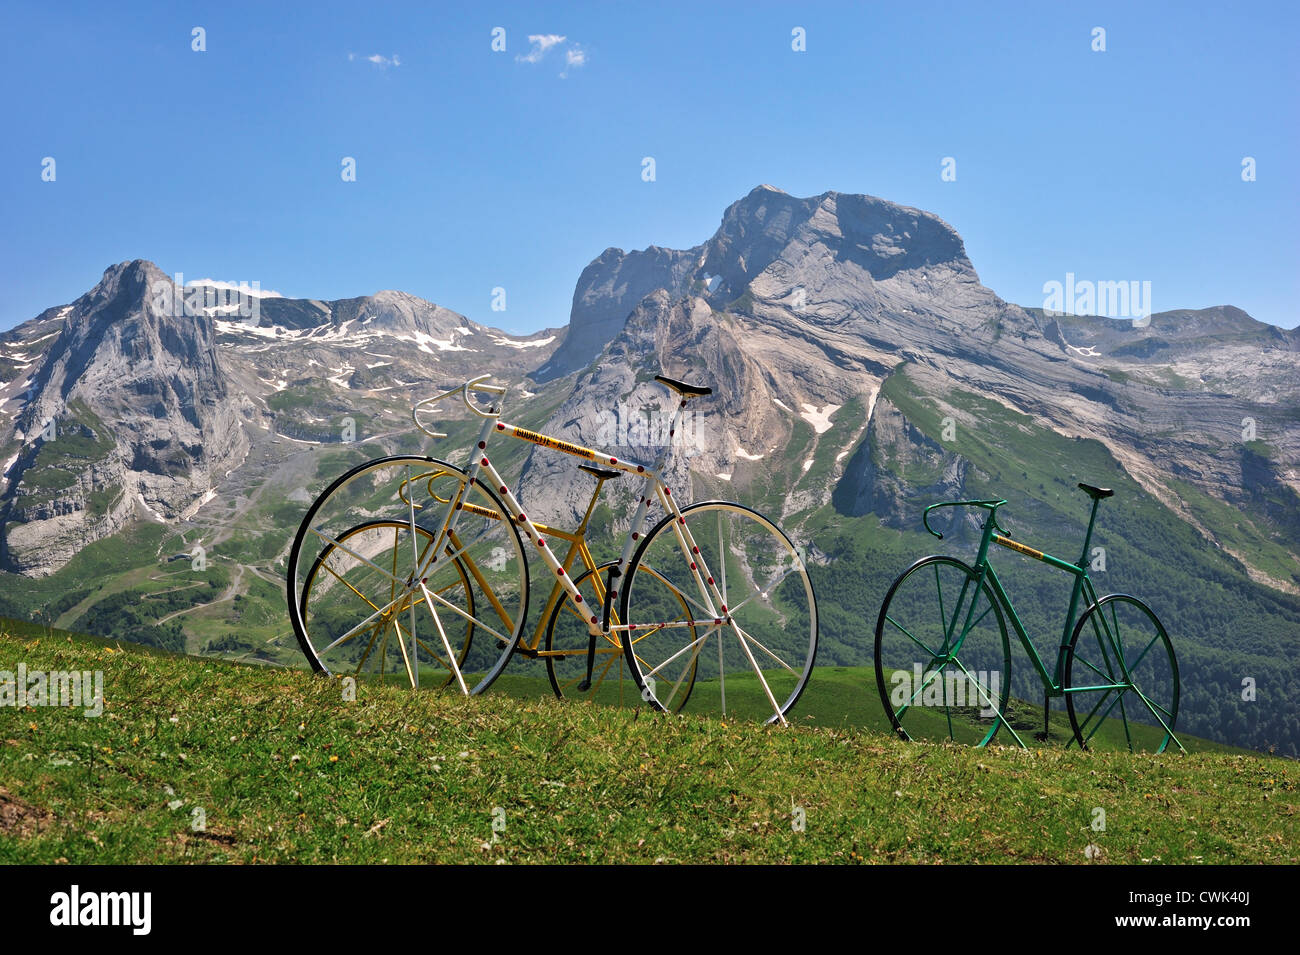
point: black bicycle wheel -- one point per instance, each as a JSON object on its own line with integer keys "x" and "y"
{"x": 720, "y": 600}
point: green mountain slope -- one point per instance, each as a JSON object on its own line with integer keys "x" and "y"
{"x": 1230, "y": 633}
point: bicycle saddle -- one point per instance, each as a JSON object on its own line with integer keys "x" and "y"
{"x": 601, "y": 473}
{"x": 683, "y": 389}
{"x": 1096, "y": 493}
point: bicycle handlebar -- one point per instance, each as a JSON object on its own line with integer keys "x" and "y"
{"x": 474, "y": 384}
{"x": 988, "y": 505}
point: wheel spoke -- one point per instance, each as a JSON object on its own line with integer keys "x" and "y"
{"x": 350, "y": 552}
{"x": 767, "y": 590}
{"x": 1115, "y": 622}
{"x": 744, "y": 636}
{"x": 442, "y": 634}
{"x": 908, "y": 633}
{"x": 348, "y": 584}
{"x": 374, "y": 635}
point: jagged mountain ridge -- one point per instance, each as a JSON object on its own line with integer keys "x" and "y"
{"x": 174, "y": 427}
{"x": 159, "y": 393}
{"x": 817, "y": 301}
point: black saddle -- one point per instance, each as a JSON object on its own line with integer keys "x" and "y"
{"x": 683, "y": 389}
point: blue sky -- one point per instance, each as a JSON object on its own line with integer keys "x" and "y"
{"x": 478, "y": 169}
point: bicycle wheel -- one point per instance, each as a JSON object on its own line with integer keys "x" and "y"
{"x": 1121, "y": 678}
{"x": 943, "y": 660}
{"x": 330, "y": 572}
{"x": 369, "y": 597}
{"x": 568, "y": 642}
{"x": 732, "y": 575}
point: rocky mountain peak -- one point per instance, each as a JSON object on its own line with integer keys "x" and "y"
{"x": 768, "y": 244}
{"x": 129, "y": 408}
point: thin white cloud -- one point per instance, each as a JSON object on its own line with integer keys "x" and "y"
{"x": 541, "y": 44}
{"x": 574, "y": 57}
{"x": 383, "y": 62}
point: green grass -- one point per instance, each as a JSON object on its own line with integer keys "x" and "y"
{"x": 285, "y": 770}
{"x": 300, "y": 396}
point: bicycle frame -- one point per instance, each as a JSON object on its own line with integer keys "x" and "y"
{"x": 578, "y": 551}
{"x": 1053, "y": 683}
{"x": 598, "y": 623}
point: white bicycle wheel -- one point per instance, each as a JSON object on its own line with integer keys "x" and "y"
{"x": 748, "y": 633}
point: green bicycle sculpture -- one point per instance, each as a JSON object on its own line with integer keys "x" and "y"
{"x": 943, "y": 657}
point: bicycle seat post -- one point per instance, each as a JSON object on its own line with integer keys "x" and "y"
{"x": 1096, "y": 493}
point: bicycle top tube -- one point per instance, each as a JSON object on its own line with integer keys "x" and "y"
{"x": 493, "y": 412}
{"x": 991, "y": 506}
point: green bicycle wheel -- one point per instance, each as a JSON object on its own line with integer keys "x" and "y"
{"x": 1121, "y": 678}
{"x": 943, "y": 660}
